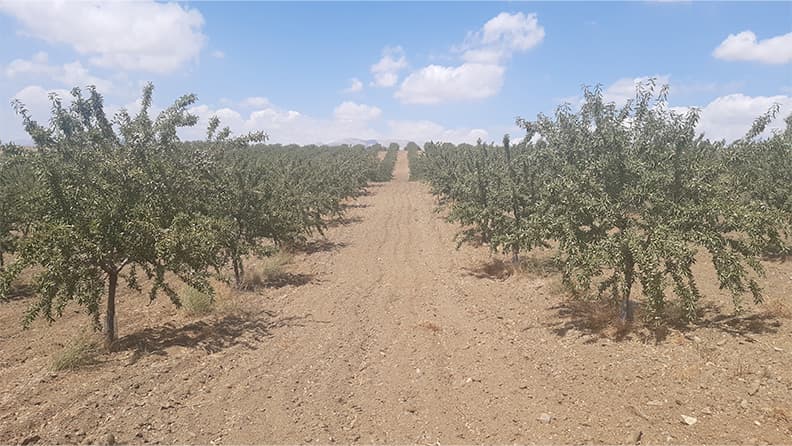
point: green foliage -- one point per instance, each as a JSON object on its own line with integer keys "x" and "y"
{"x": 100, "y": 200}
{"x": 495, "y": 193}
{"x": 385, "y": 170}
{"x": 270, "y": 196}
{"x": 638, "y": 193}
{"x": 760, "y": 172}
{"x": 17, "y": 197}
{"x": 631, "y": 195}
{"x": 416, "y": 162}
{"x": 113, "y": 204}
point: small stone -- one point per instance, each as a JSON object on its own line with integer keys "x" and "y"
{"x": 706, "y": 411}
{"x": 636, "y": 437}
{"x": 756, "y": 422}
{"x": 690, "y": 421}
{"x": 654, "y": 403}
{"x": 721, "y": 342}
{"x": 545, "y": 418}
{"x": 754, "y": 387}
{"x": 744, "y": 404}
{"x": 109, "y": 440}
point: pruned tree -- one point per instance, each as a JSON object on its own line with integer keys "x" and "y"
{"x": 114, "y": 203}
{"x": 18, "y": 187}
{"x": 636, "y": 194}
{"x": 760, "y": 172}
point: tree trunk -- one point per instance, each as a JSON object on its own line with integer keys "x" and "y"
{"x": 515, "y": 255}
{"x": 629, "y": 271}
{"x": 110, "y": 326}
{"x": 2, "y": 261}
{"x": 237, "y": 274}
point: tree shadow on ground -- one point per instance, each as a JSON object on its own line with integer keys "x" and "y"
{"x": 493, "y": 269}
{"x": 276, "y": 280}
{"x": 343, "y": 220}
{"x": 594, "y": 317}
{"x": 314, "y": 246}
{"x": 777, "y": 257}
{"x": 355, "y": 205}
{"x": 284, "y": 279}
{"x": 20, "y": 291}
{"x": 499, "y": 269}
{"x": 245, "y": 329}
{"x": 599, "y": 318}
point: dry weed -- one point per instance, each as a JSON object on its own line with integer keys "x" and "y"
{"x": 80, "y": 351}
{"x": 195, "y": 302}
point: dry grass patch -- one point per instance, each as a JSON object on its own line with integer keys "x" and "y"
{"x": 266, "y": 271}
{"x": 195, "y": 302}
{"x": 81, "y": 351}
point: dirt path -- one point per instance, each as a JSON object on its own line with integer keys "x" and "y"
{"x": 400, "y": 338}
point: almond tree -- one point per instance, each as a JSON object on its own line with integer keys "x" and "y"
{"x": 636, "y": 194}
{"x": 17, "y": 197}
{"x": 760, "y": 172}
{"x": 114, "y": 203}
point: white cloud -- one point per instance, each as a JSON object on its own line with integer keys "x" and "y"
{"x": 349, "y": 121}
{"x": 624, "y": 89}
{"x": 351, "y": 111}
{"x": 142, "y": 35}
{"x": 36, "y": 99}
{"x": 422, "y": 131}
{"x": 746, "y": 47}
{"x": 481, "y": 73}
{"x": 38, "y": 64}
{"x": 256, "y": 101}
{"x": 386, "y": 71}
{"x": 435, "y": 84}
{"x": 288, "y": 126}
{"x": 501, "y": 36}
{"x": 730, "y": 117}
{"x": 72, "y": 74}
{"x": 355, "y": 85}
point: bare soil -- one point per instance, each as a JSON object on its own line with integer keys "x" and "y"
{"x": 385, "y": 333}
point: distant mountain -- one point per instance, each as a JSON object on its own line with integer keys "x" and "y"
{"x": 353, "y": 142}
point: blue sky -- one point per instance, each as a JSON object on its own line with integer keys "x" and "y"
{"x": 325, "y": 72}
